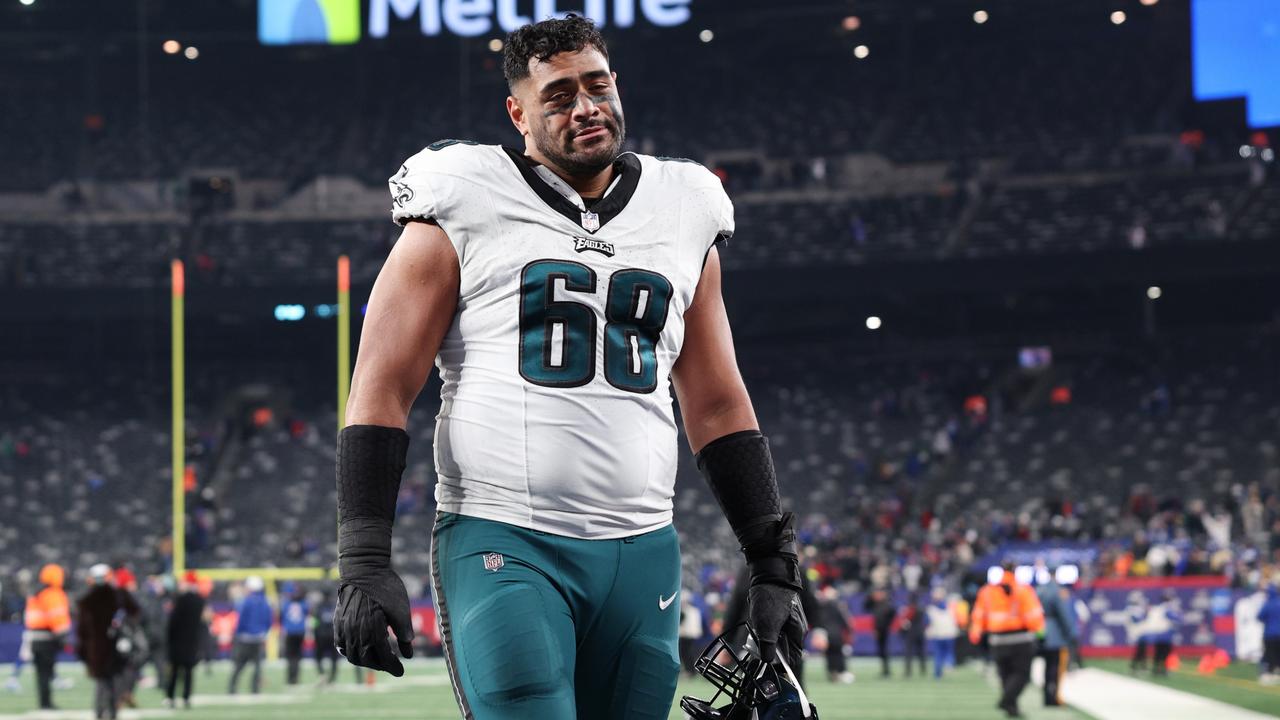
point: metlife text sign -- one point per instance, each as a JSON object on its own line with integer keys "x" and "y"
{"x": 479, "y": 17}
{"x": 337, "y": 22}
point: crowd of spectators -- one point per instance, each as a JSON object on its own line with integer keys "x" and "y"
{"x": 901, "y": 471}
{"x": 1165, "y": 469}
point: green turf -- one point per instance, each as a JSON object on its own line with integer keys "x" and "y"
{"x": 1236, "y": 684}
{"x": 424, "y": 694}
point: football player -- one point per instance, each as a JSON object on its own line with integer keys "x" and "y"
{"x": 559, "y": 288}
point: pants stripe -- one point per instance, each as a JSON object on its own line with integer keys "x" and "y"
{"x": 1063, "y": 658}
{"x": 446, "y": 634}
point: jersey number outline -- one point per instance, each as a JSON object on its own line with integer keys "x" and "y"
{"x": 558, "y": 337}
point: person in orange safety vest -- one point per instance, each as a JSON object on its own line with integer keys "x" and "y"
{"x": 1009, "y": 615}
{"x": 47, "y": 619}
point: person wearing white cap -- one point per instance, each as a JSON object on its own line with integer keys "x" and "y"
{"x": 254, "y": 618}
{"x": 94, "y": 641}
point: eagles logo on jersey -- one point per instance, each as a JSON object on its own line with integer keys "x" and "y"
{"x": 401, "y": 194}
{"x": 570, "y": 316}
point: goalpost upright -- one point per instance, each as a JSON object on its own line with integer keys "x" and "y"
{"x": 270, "y": 575}
{"x": 177, "y": 357}
{"x": 344, "y": 338}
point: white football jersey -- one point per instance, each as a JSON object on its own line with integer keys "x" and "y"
{"x": 556, "y": 407}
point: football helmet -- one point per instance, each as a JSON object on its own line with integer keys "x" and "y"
{"x": 748, "y": 687}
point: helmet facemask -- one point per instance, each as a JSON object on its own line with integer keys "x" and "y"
{"x": 744, "y": 682}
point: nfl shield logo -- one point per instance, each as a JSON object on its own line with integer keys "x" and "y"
{"x": 590, "y": 222}
{"x": 493, "y": 562}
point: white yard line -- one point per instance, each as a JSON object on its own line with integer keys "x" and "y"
{"x": 1108, "y": 696}
{"x": 282, "y": 696}
{"x": 156, "y": 713}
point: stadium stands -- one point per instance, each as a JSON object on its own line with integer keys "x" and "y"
{"x": 1005, "y": 149}
{"x": 1070, "y": 214}
{"x": 893, "y": 467}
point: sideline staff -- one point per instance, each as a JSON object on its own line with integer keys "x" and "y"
{"x": 48, "y": 619}
{"x": 1010, "y": 615}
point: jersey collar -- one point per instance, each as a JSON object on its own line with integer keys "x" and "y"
{"x": 557, "y": 194}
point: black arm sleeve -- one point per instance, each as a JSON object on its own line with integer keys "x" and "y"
{"x": 739, "y": 469}
{"x": 371, "y": 460}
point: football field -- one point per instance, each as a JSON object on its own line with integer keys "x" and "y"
{"x": 424, "y": 693}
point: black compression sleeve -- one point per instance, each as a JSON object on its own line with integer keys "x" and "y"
{"x": 739, "y": 469}
{"x": 370, "y": 461}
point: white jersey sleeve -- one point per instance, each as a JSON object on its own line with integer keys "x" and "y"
{"x": 412, "y": 195}
{"x": 723, "y": 206}
{"x": 707, "y": 209}
{"x": 432, "y": 186}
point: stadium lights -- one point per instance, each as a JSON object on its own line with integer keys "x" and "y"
{"x": 191, "y": 53}
{"x": 28, "y": 3}
{"x": 861, "y": 52}
{"x": 873, "y": 323}
{"x": 1149, "y": 3}
{"x": 981, "y": 17}
{"x": 171, "y": 47}
{"x": 1154, "y": 293}
{"x": 495, "y": 45}
{"x": 851, "y": 23}
{"x": 1118, "y": 17}
{"x": 706, "y": 36}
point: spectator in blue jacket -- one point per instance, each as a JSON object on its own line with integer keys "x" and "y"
{"x": 293, "y": 621}
{"x": 254, "y": 618}
{"x": 1269, "y": 616}
{"x": 1060, "y": 630}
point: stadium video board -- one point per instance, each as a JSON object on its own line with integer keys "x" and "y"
{"x": 292, "y": 22}
{"x": 1235, "y": 49}
{"x": 337, "y": 22}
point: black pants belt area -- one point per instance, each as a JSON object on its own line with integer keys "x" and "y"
{"x": 1013, "y": 663}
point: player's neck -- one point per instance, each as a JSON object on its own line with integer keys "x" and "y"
{"x": 590, "y": 188}
{"x": 587, "y": 187}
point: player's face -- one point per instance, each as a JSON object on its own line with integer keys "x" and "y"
{"x": 569, "y": 106}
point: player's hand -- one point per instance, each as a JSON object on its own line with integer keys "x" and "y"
{"x": 778, "y": 619}
{"x": 369, "y": 601}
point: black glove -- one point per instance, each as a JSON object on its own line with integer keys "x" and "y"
{"x": 778, "y": 619}
{"x": 773, "y": 600}
{"x": 371, "y": 596}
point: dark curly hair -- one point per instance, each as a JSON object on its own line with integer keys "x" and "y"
{"x": 543, "y": 39}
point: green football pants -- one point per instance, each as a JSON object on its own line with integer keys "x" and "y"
{"x": 544, "y": 627}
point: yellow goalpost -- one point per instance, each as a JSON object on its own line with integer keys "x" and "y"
{"x": 271, "y": 576}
